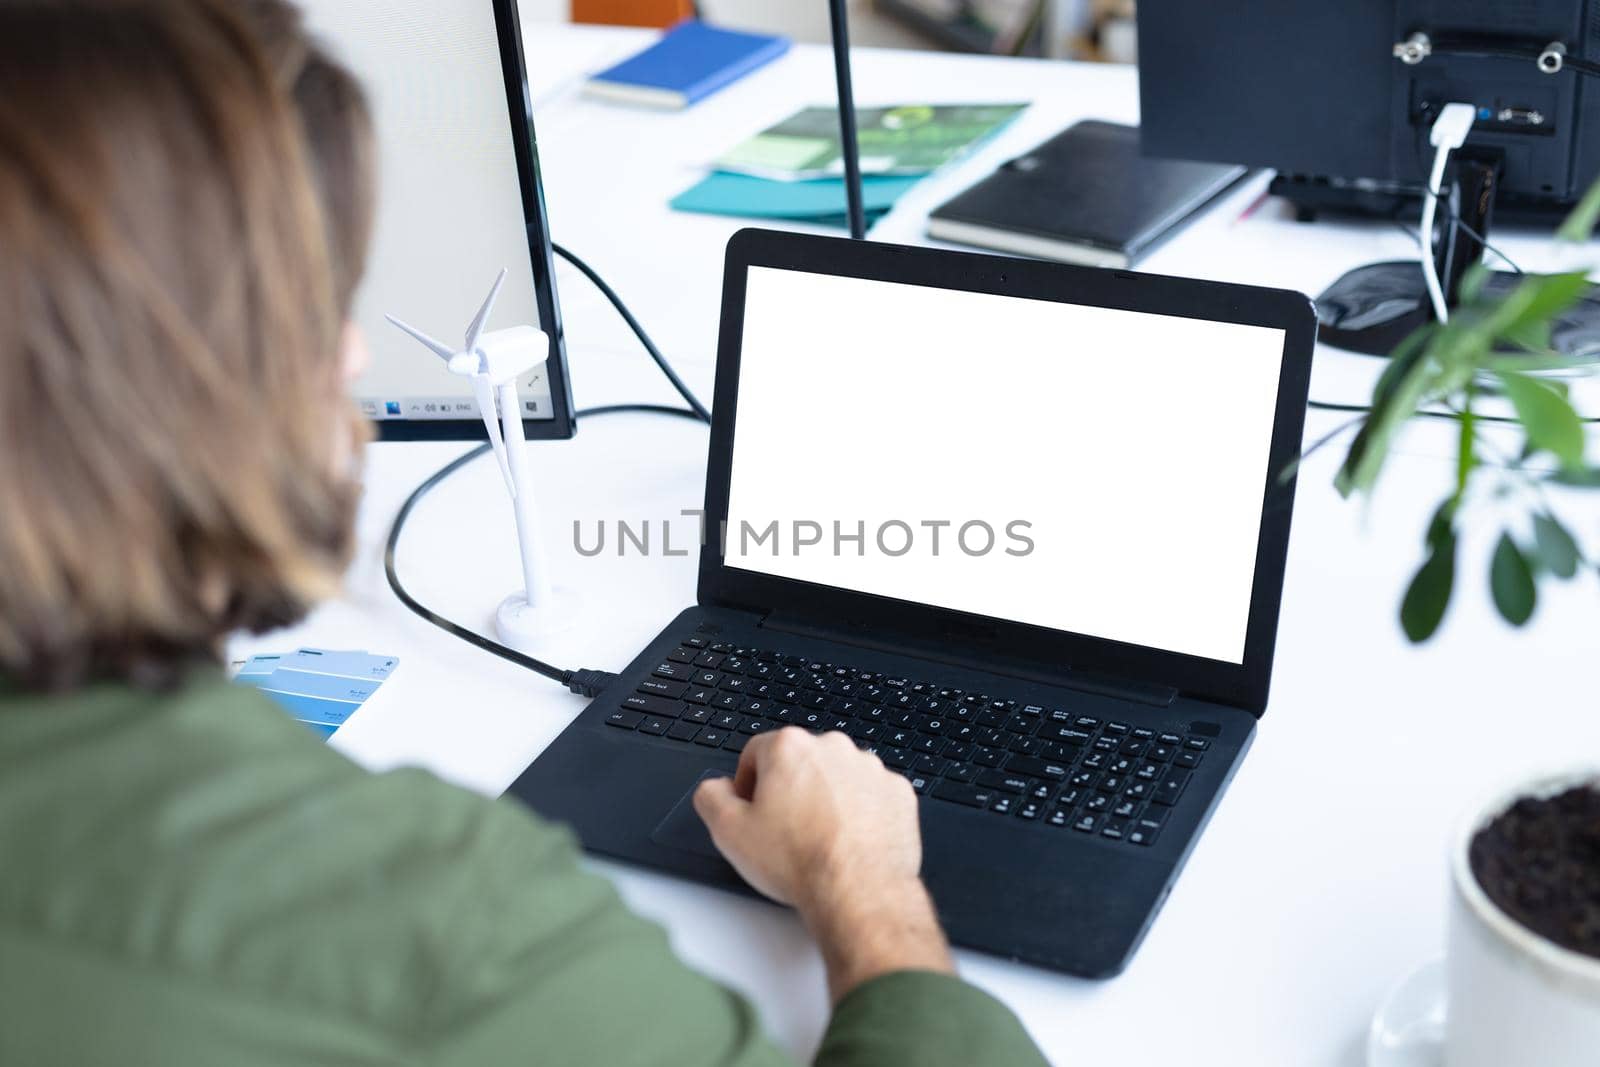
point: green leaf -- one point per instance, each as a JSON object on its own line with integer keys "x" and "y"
{"x": 1395, "y": 398}
{"x": 1556, "y": 548}
{"x": 1428, "y": 595}
{"x": 1547, "y": 417}
{"x": 1441, "y": 528}
{"x": 1536, "y": 300}
{"x": 1472, "y": 282}
{"x": 1581, "y": 478}
{"x": 1511, "y": 582}
{"x": 1580, "y": 224}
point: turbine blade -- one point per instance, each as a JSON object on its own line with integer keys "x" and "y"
{"x": 475, "y": 331}
{"x": 486, "y": 406}
{"x": 443, "y": 351}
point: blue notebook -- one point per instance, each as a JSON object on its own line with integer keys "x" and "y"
{"x": 690, "y": 61}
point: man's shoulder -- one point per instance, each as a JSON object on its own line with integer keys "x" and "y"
{"x": 206, "y": 835}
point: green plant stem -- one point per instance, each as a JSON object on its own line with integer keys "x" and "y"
{"x": 1466, "y": 451}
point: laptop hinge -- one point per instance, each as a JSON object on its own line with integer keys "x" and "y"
{"x": 1151, "y": 693}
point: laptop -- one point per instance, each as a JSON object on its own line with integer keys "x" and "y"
{"x": 1017, "y": 527}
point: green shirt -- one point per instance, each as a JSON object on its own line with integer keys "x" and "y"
{"x": 192, "y": 878}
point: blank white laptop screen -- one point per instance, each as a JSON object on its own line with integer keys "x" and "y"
{"x": 1118, "y": 460}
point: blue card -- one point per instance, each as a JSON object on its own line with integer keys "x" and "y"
{"x": 315, "y": 709}
{"x": 348, "y": 664}
{"x": 320, "y": 687}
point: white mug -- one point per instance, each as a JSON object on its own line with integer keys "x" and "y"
{"x": 1516, "y": 999}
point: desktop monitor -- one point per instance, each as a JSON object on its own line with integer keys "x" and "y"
{"x": 1316, "y": 91}
{"x": 1340, "y": 99}
{"x": 459, "y": 200}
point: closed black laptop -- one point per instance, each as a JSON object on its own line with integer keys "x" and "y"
{"x": 1019, "y": 528}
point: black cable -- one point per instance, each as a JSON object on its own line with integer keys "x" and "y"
{"x": 1452, "y": 416}
{"x": 584, "y": 682}
{"x": 849, "y": 145}
{"x": 610, "y": 294}
{"x": 1581, "y": 66}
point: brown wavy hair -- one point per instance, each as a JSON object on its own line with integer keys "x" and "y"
{"x": 185, "y": 201}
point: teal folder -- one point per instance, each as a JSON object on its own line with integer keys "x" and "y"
{"x": 820, "y": 201}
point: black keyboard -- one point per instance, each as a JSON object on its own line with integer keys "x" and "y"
{"x": 1051, "y": 766}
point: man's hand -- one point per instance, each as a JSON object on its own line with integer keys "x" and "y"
{"x": 819, "y": 824}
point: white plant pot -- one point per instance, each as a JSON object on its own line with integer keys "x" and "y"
{"x": 1515, "y": 999}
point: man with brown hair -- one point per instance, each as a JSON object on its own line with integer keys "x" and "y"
{"x": 186, "y": 876}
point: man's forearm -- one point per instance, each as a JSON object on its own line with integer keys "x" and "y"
{"x": 864, "y": 935}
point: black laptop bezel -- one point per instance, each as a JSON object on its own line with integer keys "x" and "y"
{"x": 1242, "y": 685}
{"x": 562, "y": 423}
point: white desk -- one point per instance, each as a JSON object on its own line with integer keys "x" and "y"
{"x": 1321, "y": 879}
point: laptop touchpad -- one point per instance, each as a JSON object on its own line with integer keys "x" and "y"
{"x": 683, "y": 827}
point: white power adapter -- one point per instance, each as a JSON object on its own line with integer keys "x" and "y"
{"x": 1449, "y": 133}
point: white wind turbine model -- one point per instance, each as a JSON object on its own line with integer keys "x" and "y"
{"x": 493, "y": 361}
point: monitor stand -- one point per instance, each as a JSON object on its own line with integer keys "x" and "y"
{"x": 1373, "y": 308}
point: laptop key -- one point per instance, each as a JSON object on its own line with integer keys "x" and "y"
{"x": 1115, "y": 829}
{"x": 1034, "y": 767}
{"x": 683, "y": 731}
{"x": 961, "y": 772}
{"x": 667, "y": 709}
{"x": 736, "y": 742}
{"x": 898, "y": 758}
{"x": 1068, "y": 735}
{"x": 1003, "y": 804}
{"x": 655, "y": 725}
{"x": 1171, "y": 787}
{"x": 1086, "y": 824}
{"x": 1060, "y": 816}
{"x": 624, "y": 719}
{"x": 754, "y": 726}
{"x": 698, "y": 715}
{"x": 675, "y": 672}
{"x": 1187, "y": 760}
{"x": 1029, "y": 809}
{"x": 865, "y": 731}
{"x": 1009, "y": 783}
{"x": 987, "y": 757}
{"x": 660, "y": 687}
{"x": 961, "y": 793}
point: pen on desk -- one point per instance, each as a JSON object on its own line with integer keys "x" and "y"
{"x": 1251, "y": 208}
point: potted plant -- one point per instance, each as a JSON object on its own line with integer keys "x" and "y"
{"x": 1521, "y": 983}
{"x": 1490, "y": 347}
